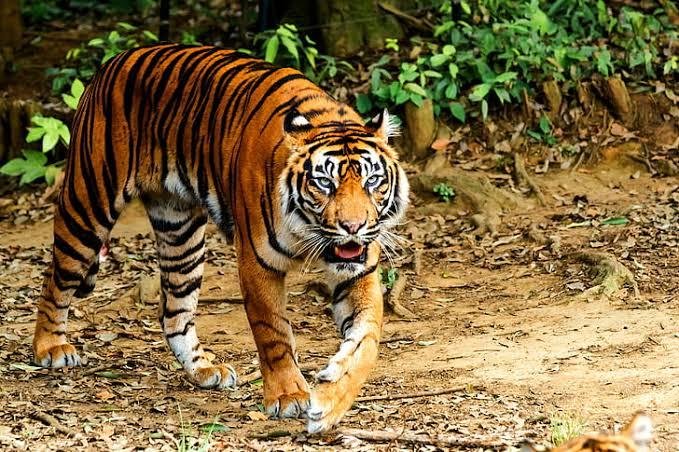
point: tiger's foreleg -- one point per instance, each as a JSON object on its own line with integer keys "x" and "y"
{"x": 180, "y": 239}
{"x": 286, "y": 393}
{"x": 357, "y": 311}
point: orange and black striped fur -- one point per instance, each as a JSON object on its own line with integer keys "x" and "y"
{"x": 291, "y": 174}
{"x": 634, "y": 437}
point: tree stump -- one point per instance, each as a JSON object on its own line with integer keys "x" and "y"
{"x": 420, "y": 128}
{"x": 618, "y": 96}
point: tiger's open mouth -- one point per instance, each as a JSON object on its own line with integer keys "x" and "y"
{"x": 347, "y": 252}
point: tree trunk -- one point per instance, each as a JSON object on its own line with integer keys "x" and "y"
{"x": 10, "y": 33}
{"x": 353, "y": 25}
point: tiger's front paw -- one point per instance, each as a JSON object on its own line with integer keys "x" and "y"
{"x": 221, "y": 376}
{"x": 286, "y": 398}
{"x": 56, "y": 356}
{"x": 288, "y": 405}
{"x": 328, "y": 405}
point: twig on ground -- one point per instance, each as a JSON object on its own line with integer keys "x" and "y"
{"x": 420, "y": 438}
{"x": 393, "y": 297}
{"x": 50, "y": 420}
{"x": 413, "y": 395}
{"x": 390, "y": 340}
{"x": 610, "y": 276}
{"x": 521, "y": 175}
{"x": 417, "y": 261}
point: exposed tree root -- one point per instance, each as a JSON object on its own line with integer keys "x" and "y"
{"x": 392, "y": 299}
{"x": 486, "y": 201}
{"x": 610, "y": 275}
{"x": 521, "y": 176}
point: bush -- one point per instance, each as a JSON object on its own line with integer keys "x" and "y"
{"x": 503, "y": 47}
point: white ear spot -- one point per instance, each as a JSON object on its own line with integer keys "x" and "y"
{"x": 641, "y": 430}
{"x": 388, "y": 127}
{"x": 300, "y": 121}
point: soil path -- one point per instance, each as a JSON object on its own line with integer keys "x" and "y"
{"x": 503, "y": 317}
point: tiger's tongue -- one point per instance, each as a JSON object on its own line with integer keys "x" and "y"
{"x": 348, "y": 251}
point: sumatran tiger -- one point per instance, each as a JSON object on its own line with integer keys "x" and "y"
{"x": 291, "y": 174}
{"x": 634, "y": 437}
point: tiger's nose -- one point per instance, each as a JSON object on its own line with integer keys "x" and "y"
{"x": 351, "y": 227}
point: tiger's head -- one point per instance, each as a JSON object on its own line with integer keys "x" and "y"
{"x": 343, "y": 188}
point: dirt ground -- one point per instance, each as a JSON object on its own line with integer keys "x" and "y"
{"x": 505, "y": 321}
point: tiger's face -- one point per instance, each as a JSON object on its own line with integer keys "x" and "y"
{"x": 342, "y": 192}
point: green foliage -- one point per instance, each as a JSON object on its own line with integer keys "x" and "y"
{"x": 82, "y": 62}
{"x": 285, "y": 46}
{"x": 544, "y": 132}
{"x": 500, "y": 48}
{"x": 77, "y": 89}
{"x": 388, "y": 276}
{"x": 444, "y": 191}
{"x": 50, "y": 133}
{"x": 564, "y": 427}
{"x": 39, "y": 11}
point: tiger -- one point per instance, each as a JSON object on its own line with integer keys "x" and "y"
{"x": 287, "y": 173}
{"x": 636, "y": 436}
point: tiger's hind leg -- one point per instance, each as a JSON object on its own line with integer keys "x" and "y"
{"x": 77, "y": 240}
{"x": 180, "y": 238}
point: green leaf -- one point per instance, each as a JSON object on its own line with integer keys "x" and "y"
{"x": 51, "y": 173}
{"x": 70, "y": 101}
{"x": 363, "y": 103}
{"x": 271, "y": 49}
{"x": 479, "y": 92}
{"x": 438, "y": 59}
{"x": 416, "y": 89}
{"x": 96, "y": 42}
{"x": 457, "y": 110}
{"x": 484, "y": 109}
{"x": 545, "y": 124}
{"x": 150, "y": 36}
{"x": 214, "y": 427}
{"x": 125, "y": 26}
{"x": 506, "y": 76}
{"x": 432, "y": 74}
{"x": 50, "y": 140}
{"x": 448, "y": 49}
{"x": 289, "y": 44}
{"x": 14, "y": 167}
{"x": 453, "y": 70}
{"x": 451, "y": 91}
{"x": 402, "y": 97}
{"x": 34, "y": 134}
{"x": 615, "y": 221}
{"x": 416, "y": 99}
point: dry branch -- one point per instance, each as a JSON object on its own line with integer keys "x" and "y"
{"x": 412, "y": 395}
{"x": 610, "y": 275}
{"x": 414, "y": 22}
{"x": 420, "y": 438}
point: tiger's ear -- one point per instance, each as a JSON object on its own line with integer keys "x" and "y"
{"x": 640, "y": 430}
{"x": 384, "y": 125}
{"x": 296, "y": 127}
